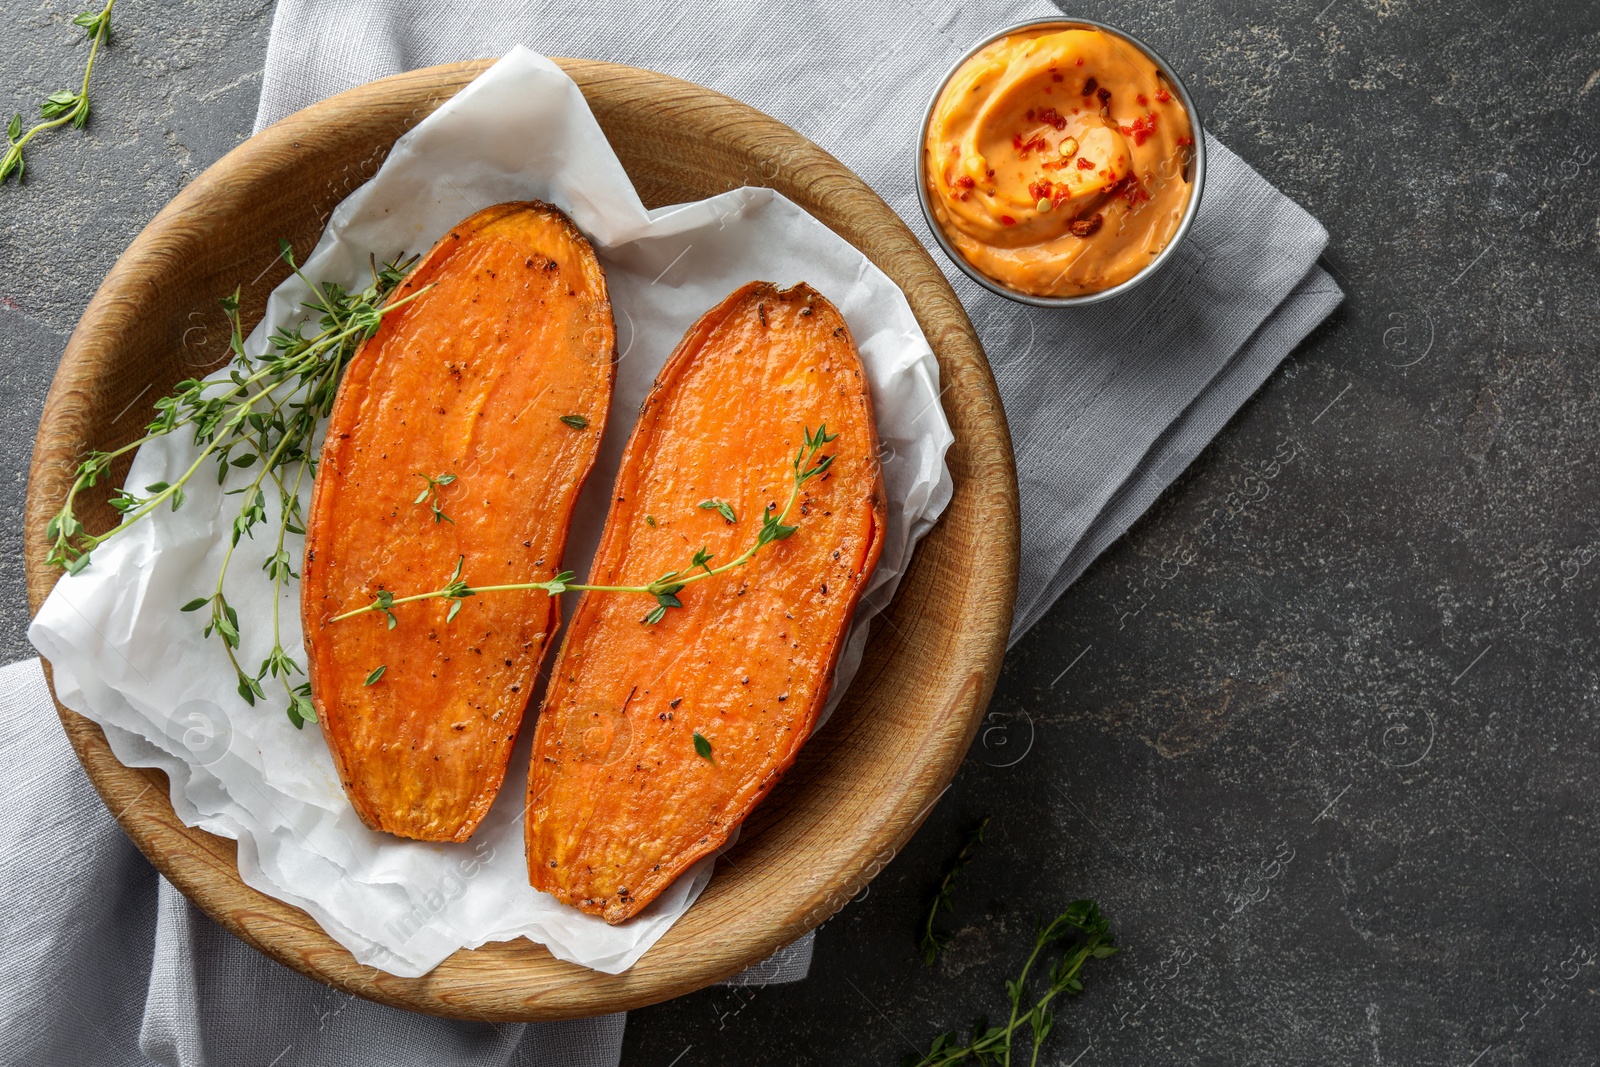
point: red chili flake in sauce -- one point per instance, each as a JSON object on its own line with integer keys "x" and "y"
{"x": 1056, "y": 77}
{"x": 1050, "y": 117}
{"x": 1143, "y": 101}
{"x": 1028, "y": 114}
{"x": 1080, "y": 61}
{"x": 1008, "y": 220}
{"x": 1024, "y": 147}
{"x": 965, "y": 182}
{"x": 1185, "y": 141}
{"x": 1090, "y": 86}
{"x": 1163, "y": 96}
{"x": 1041, "y": 190}
{"x": 1084, "y": 164}
{"x": 1141, "y": 129}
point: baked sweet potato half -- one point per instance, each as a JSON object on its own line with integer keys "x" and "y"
{"x": 656, "y": 738}
{"x": 447, "y": 445}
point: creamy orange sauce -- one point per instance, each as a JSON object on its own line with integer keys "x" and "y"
{"x": 1057, "y": 161}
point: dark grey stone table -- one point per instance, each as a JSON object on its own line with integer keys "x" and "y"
{"x": 1319, "y": 733}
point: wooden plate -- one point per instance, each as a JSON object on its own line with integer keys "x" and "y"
{"x": 862, "y": 785}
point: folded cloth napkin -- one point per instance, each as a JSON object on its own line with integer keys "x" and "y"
{"x": 1106, "y": 407}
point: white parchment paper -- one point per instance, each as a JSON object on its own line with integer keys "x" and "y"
{"x": 124, "y": 656}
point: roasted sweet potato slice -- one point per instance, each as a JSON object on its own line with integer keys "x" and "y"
{"x": 467, "y": 386}
{"x": 656, "y": 739}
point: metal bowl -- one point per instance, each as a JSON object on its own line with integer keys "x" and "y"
{"x": 1197, "y": 166}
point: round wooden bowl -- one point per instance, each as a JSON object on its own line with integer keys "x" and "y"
{"x": 860, "y": 787}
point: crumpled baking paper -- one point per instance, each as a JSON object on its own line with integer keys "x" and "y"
{"x": 124, "y": 656}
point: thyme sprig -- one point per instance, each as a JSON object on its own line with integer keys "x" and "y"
{"x": 62, "y": 107}
{"x": 932, "y": 943}
{"x": 430, "y": 494}
{"x": 263, "y": 415}
{"x": 805, "y": 466}
{"x": 1089, "y": 936}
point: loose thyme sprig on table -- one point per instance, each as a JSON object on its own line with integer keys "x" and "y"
{"x": 263, "y": 415}
{"x": 60, "y": 107}
{"x": 1090, "y": 934}
{"x": 932, "y": 944}
{"x": 664, "y": 589}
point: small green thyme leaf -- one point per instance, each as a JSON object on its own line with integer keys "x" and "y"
{"x": 702, "y": 747}
{"x": 577, "y": 422}
{"x": 301, "y": 710}
{"x": 650, "y": 521}
{"x": 372, "y": 679}
{"x": 196, "y": 604}
{"x": 722, "y": 508}
{"x": 58, "y": 104}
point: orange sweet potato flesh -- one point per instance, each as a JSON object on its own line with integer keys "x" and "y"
{"x": 619, "y": 801}
{"x": 471, "y": 379}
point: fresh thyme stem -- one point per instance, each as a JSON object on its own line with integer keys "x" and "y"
{"x": 987, "y": 1044}
{"x": 62, "y": 107}
{"x": 664, "y": 589}
{"x": 279, "y": 663}
{"x": 932, "y": 944}
{"x": 1016, "y": 1001}
{"x": 266, "y": 411}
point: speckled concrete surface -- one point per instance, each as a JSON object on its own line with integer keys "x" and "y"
{"x": 1319, "y": 734}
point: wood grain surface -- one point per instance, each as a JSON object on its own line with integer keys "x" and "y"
{"x": 860, "y": 787}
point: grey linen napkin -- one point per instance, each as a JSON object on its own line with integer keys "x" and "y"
{"x": 108, "y": 965}
{"x": 1106, "y": 406}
